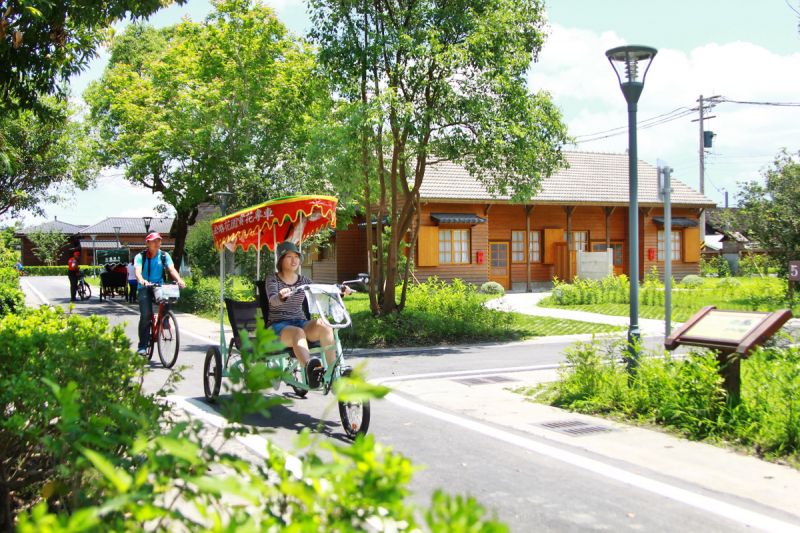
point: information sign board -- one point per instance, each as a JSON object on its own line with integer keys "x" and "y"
{"x": 113, "y": 257}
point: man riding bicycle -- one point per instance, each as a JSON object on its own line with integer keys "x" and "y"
{"x": 150, "y": 268}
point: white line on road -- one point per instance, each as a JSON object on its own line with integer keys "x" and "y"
{"x": 485, "y": 371}
{"x": 705, "y": 503}
{"x": 36, "y": 292}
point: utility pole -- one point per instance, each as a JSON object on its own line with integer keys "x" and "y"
{"x": 701, "y": 107}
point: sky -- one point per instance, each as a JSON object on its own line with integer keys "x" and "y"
{"x": 741, "y": 50}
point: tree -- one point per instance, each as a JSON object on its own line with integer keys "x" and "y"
{"x": 42, "y": 44}
{"x": 48, "y": 245}
{"x": 769, "y": 210}
{"x": 37, "y": 155}
{"x": 205, "y": 107}
{"x": 426, "y": 82}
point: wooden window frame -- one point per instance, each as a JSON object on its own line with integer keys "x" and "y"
{"x": 524, "y": 247}
{"x": 612, "y": 243}
{"x": 538, "y": 242}
{"x": 675, "y": 238}
{"x": 452, "y": 252}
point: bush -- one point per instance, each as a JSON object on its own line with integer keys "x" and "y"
{"x": 687, "y": 394}
{"x": 66, "y": 383}
{"x": 436, "y": 312}
{"x": 717, "y": 266}
{"x": 692, "y": 281}
{"x": 12, "y": 300}
{"x": 55, "y": 270}
{"x": 492, "y": 287}
{"x": 613, "y": 289}
{"x": 756, "y": 265}
{"x": 729, "y": 283}
{"x": 201, "y": 294}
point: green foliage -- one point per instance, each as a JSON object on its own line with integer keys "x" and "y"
{"x": 52, "y": 410}
{"x": 768, "y": 209}
{"x": 55, "y": 270}
{"x": 687, "y": 394}
{"x": 38, "y": 156}
{"x": 613, "y": 289}
{"x": 492, "y": 287}
{"x": 9, "y": 246}
{"x": 201, "y": 295}
{"x": 175, "y": 480}
{"x": 757, "y": 265}
{"x": 420, "y": 104}
{"x": 203, "y": 258}
{"x": 12, "y": 300}
{"x": 717, "y": 267}
{"x": 48, "y": 245}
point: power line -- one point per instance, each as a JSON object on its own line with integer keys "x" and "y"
{"x": 750, "y": 102}
{"x": 643, "y": 124}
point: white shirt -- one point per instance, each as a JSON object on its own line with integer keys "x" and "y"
{"x": 131, "y": 272}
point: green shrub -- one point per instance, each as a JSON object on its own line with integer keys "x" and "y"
{"x": 201, "y": 294}
{"x": 55, "y": 270}
{"x": 492, "y": 287}
{"x": 729, "y": 283}
{"x": 12, "y": 300}
{"x": 756, "y": 265}
{"x": 612, "y": 289}
{"x": 66, "y": 383}
{"x": 717, "y": 266}
{"x": 692, "y": 281}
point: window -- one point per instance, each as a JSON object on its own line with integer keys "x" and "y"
{"x": 615, "y": 246}
{"x": 676, "y": 245}
{"x": 580, "y": 240}
{"x": 453, "y": 246}
{"x": 517, "y": 246}
{"x": 535, "y": 246}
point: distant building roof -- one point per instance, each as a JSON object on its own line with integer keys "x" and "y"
{"x": 52, "y": 225}
{"x": 128, "y": 226}
{"x": 713, "y": 242}
{"x": 591, "y": 178}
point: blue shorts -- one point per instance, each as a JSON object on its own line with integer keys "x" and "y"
{"x": 278, "y": 326}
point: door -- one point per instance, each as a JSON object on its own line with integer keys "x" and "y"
{"x": 499, "y": 263}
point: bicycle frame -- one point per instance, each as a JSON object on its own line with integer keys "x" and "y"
{"x": 156, "y": 323}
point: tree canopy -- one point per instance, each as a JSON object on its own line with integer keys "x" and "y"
{"x": 38, "y": 155}
{"x": 431, "y": 81}
{"x": 42, "y": 44}
{"x": 769, "y": 209}
{"x": 203, "y": 107}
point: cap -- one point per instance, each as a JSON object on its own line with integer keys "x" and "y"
{"x": 286, "y": 247}
{"x": 76, "y": 252}
{"x": 153, "y": 235}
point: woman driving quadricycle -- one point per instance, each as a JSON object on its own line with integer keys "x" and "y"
{"x": 287, "y": 317}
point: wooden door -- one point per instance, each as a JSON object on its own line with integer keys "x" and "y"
{"x": 500, "y": 263}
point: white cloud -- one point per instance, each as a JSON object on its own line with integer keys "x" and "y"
{"x": 574, "y": 69}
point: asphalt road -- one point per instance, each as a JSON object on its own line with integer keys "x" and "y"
{"x": 529, "y": 491}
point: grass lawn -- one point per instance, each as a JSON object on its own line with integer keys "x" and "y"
{"x": 736, "y": 294}
{"x": 413, "y": 327}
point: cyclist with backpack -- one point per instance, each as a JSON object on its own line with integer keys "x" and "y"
{"x": 151, "y": 266}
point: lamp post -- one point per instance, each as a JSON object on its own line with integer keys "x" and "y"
{"x": 94, "y": 255}
{"x": 147, "y": 221}
{"x": 222, "y": 199}
{"x": 116, "y": 232}
{"x": 631, "y": 64}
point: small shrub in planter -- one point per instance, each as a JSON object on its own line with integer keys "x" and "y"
{"x": 492, "y": 287}
{"x": 692, "y": 282}
{"x": 729, "y": 283}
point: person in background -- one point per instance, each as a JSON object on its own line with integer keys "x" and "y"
{"x": 20, "y": 269}
{"x": 132, "y": 283}
{"x": 74, "y": 272}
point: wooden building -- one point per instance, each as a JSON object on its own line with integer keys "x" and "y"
{"x": 468, "y": 233}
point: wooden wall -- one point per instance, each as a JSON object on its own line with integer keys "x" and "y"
{"x": 471, "y": 272}
{"x": 649, "y": 231}
{"x": 350, "y": 251}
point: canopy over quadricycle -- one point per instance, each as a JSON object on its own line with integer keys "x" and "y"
{"x": 267, "y": 225}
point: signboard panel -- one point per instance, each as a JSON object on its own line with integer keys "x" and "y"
{"x": 113, "y": 256}
{"x": 794, "y": 270}
{"x": 725, "y": 326}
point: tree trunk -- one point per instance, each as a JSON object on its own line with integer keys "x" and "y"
{"x": 180, "y": 228}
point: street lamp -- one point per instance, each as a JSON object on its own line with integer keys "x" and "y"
{"x": 116, "y": 232}
{"x": 631, "y": 64}
{"x": 147, "y": 221}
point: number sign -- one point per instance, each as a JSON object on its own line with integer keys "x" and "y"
{"x": 794, "y": 270}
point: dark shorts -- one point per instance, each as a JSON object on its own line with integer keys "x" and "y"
{"x": 278, "y": 326}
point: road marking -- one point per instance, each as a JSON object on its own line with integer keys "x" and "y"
{"x": 486, "y": 371}
{"x": 36, "y": 293}
{"x": 693, "y": 499}
{"x": 183, "y": 331}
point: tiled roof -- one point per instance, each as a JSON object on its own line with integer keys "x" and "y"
{"x": 591, "y": 178}
{"x": 128, "y": 226}
{"x": 87, "y": 244}
{"x": 52, "y": 225}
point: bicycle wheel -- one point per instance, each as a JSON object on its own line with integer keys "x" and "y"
{"x": 84, "y": 291}
{"x": 212, "y": 374}
{"x": 301, "y": 393}
{"x": 354, "y": 415}
{"x": 169, "y": 340}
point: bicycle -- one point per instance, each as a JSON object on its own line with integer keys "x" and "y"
{"x": 84, "y": 289}
{"x": 164, "y": 327}
{"x": 324, "y": 302}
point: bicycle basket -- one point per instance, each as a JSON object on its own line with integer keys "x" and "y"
{"x": 167, "y": 293}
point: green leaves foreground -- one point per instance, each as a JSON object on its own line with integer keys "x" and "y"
{"x": 108, "y": 458}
